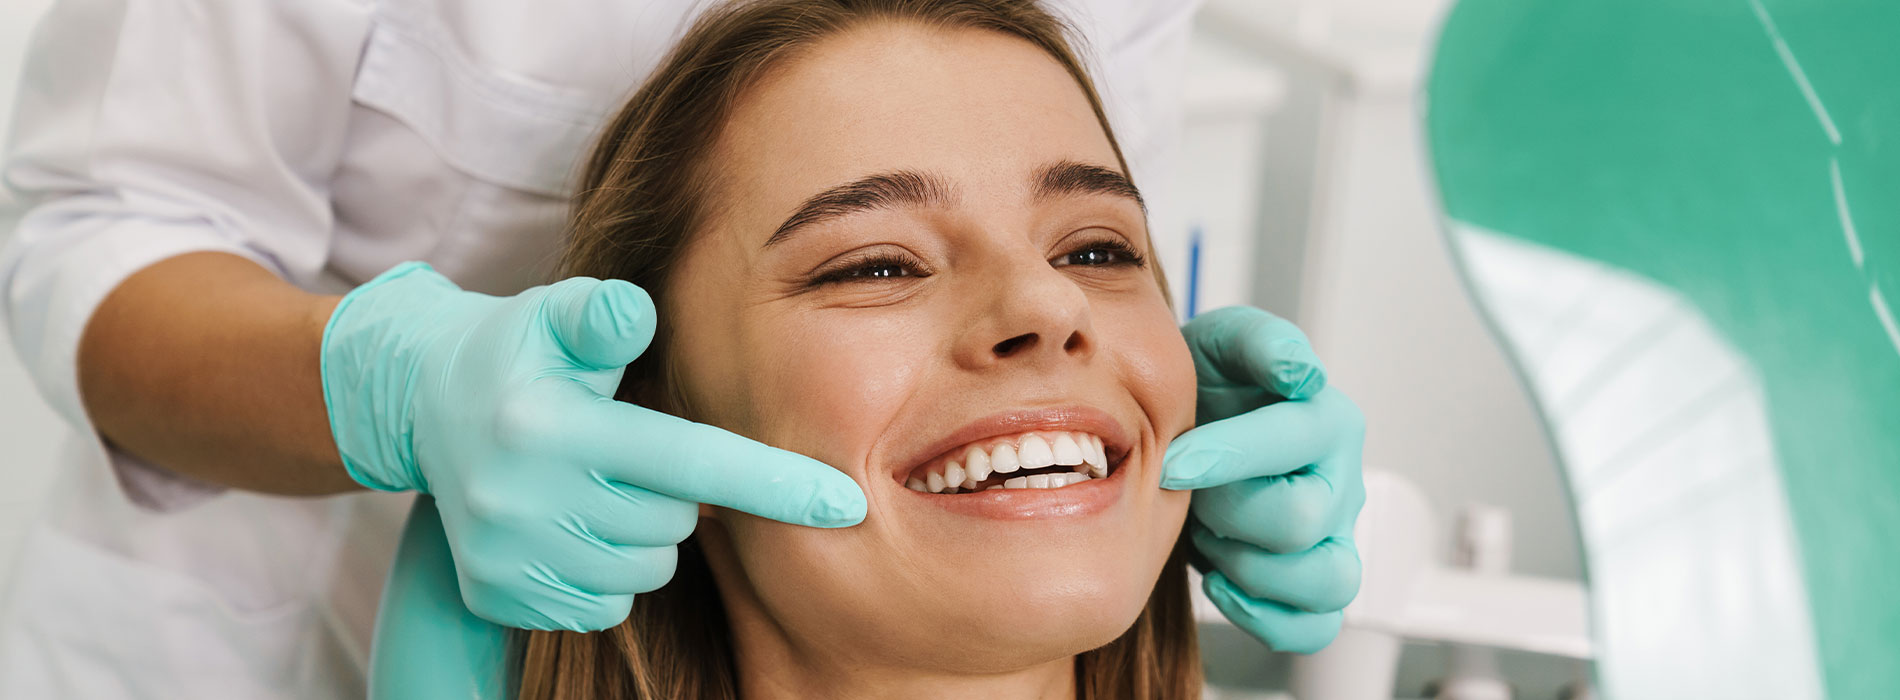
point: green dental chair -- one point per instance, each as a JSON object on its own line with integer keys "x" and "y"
{"x": 1682, "y": 218}
{"x": 428, "y": 646}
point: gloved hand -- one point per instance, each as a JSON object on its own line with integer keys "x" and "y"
{"x": 1277, "y": 483}
{"x": 559, "y": 502}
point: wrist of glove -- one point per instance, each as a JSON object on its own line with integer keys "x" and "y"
{"x": 374, "y": 348}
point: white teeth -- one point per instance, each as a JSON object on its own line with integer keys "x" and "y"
{"x": 1065, "y": 449}
{"x": 976, "y": 464}
{"x": 1003, "y": 460}
{"x": 1036, "y": 453}
{"x": 1082, "y": 451}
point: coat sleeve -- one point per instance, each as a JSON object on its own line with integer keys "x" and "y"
{"x": 145, "y": 129}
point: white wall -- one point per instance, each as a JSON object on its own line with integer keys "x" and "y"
{"x": 28, "y": 430}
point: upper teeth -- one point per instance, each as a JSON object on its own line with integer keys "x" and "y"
{"x": 1026, "y": 451}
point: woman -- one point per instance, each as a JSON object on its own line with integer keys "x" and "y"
{"x": 927, "y": 268}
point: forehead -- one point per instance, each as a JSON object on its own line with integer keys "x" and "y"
{"x": 981, "y": 109}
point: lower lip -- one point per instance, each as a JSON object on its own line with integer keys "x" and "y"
{"x": 1076, "y": 500}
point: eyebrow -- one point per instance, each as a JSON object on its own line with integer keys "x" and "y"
{"x": 908, "y": 187}
{"x": 1073, "y": 178}
{"x": 865, "y": 194}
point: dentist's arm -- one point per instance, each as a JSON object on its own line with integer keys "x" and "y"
{"x": 205, "y": 364}
{"x": 164, "y": 197}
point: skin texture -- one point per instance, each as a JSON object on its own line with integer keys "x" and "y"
{"x": 863, "y": 373}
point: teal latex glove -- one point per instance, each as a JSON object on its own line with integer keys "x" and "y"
{"x": 559, "y": 502}
{"x": 1276, "y": 476}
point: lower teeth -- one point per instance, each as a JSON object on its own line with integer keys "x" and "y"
{"x": 1046, "y": 480}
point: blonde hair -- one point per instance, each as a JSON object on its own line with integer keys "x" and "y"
{"x": 640, "y": 201}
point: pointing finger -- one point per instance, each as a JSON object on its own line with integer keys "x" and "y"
{"x": 1270, "y": 441}
{"x": 704, "y": 464}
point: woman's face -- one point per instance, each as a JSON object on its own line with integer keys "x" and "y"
{"x": 921, "y": 250}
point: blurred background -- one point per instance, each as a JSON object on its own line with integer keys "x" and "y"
{"x": 1302, "y": 187}
{"x": 1303, "y": 177}
{"x": 29, "y": 431}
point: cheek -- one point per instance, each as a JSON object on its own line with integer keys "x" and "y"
{"x": 844, "y": 373}
{"x": 1156, "y": 365}
{"x": 848, "y": 375}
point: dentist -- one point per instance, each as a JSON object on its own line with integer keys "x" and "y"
{"x": 223, "y": 210}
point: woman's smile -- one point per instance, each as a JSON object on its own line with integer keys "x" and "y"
{"x": 1023, "y": 464}
{"x": 1048, "y": 459}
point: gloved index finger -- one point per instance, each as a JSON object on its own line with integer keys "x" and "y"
{"x": 1267, "y": 441}
{"x": 704, "y": 464}
{"x": 1242, "y": 344}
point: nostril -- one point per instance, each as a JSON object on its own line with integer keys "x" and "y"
{"x": 1014, "y": 345}
{"x": 1074, "y": 343}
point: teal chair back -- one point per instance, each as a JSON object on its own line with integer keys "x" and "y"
{"x": 1682, "y": 218}
{"x": 428, "y": 646}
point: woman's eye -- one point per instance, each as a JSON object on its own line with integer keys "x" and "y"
{"x": 1092, "y": 256}
{"x": 883, "y": 268}
{"x": 1101, "y": 255}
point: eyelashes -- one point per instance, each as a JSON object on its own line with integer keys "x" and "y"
{"x": 883, "y": 266}
{"x": 1107, "y": 252}
{"x": 870, "y": 267}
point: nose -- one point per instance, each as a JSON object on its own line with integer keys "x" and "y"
{"x": 1035, "y": 315}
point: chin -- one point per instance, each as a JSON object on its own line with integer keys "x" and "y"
{"x": 1039, "y": 605}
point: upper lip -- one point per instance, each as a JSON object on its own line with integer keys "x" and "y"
{"x": 1074, "y": 417}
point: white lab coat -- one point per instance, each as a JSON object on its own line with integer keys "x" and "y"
{"x": 326, "y": 140}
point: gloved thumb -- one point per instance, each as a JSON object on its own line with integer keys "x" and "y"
{"x": 1249, "y": 346}
{"x": 602, "y": 324}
